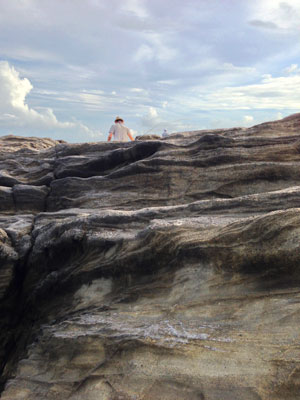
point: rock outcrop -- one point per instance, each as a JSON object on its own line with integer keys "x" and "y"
{"x": 161, "y": 269}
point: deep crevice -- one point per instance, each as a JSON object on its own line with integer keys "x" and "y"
{"x": 111, "y": 162}
{"x": 13, "y": 307}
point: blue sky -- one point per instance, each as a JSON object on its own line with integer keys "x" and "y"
{"x": 68, "y": 67}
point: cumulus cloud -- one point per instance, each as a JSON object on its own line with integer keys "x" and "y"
{"x": 16, "y": 113}
{"x": 150, "y": 118}
{"x": 153, "y": 122}
{"x": 248, "y": 118}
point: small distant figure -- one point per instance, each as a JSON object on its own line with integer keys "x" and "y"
{"x": 165, "y": 133}
{"x": 119, "y": 131}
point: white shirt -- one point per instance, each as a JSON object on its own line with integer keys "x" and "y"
{"x": 120, "y": 132}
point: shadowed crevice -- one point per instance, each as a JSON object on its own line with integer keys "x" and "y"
{"x": 107, "y": 162}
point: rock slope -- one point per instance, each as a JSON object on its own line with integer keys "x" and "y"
{"x": 158, "y": 269}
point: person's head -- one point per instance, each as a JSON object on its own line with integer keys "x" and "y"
{"x": 119, "y": 120}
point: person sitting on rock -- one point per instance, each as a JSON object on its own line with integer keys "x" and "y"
{"x": 119, "y": 131}
{"x": 165, "y": 133}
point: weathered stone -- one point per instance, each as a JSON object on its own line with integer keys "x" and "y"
{"x": 28, "y": 167}
{"x": 19, "y": 229}
{"x": 165, "y": 269}
{"x": 148, "y": 137}
{"x": 12, "y": 143}
{"x": 6, "y": 200}
{"x": 30, "y": 198}
{"x": 7, "y": 260}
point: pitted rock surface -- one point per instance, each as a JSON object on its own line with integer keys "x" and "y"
{"x": 157, "y": 269}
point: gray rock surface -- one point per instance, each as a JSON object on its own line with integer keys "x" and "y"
{"x": 11, "y": 143}
{"x": 161, "y": 269}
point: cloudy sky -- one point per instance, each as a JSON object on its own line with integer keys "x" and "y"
{"x": 68, "y": 67}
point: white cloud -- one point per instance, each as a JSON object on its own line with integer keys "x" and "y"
{"x": 133, "y": 132}
{"x": 277, "y": 14}
{"x": 135, "y": 7}
{"x": 152, "y": 112}
{"x": 155, "y": 48}
{"x": 153, "y": 122}
{"x": 17, "y": 114}
{"x": 292, "y": 69}
{"x": 228, "y": 67}
{"x": 136, "y": 90}
{"x": 248, "y": 118}
{"x": 150, "y": 118}
{"x": 163, "y": 51}
{"x": 81, "y": 72}
{"x": 27, "y": 53}
{"x": 94, "y": 100}
{"x": 169, "y": 82}
{"x": 91, "y": 98}
{"x": 144, "y": 53}
{"x": 88, "y": 100}
{"x": 276, "y": 93}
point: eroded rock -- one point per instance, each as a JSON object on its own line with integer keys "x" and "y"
{"x": 153, "y": 270}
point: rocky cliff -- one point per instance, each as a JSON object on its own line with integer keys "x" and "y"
{"x": 161, "y": 269}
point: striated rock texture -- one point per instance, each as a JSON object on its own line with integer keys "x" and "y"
{"x": 159, "y": 269}
{"x": 12, "y": 143}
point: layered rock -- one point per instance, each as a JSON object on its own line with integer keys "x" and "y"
{"x": 162, "y": 269}
{"x": 12, "y": 143}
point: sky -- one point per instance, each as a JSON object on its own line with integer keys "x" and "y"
{"x": 69, "y": 67}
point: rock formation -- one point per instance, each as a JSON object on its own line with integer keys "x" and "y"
{"x": 152, "y": 270}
